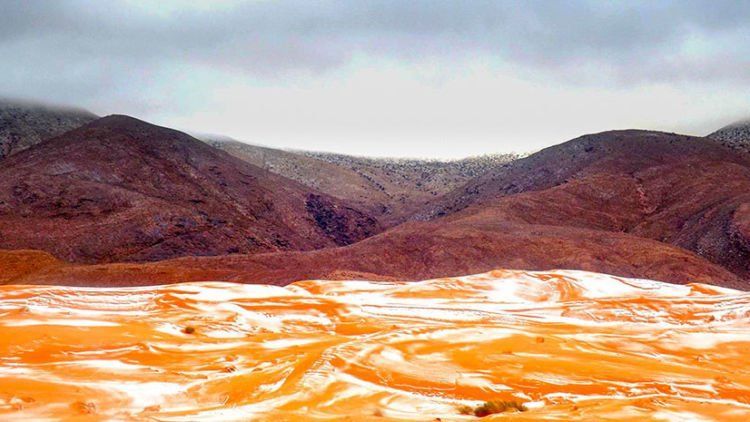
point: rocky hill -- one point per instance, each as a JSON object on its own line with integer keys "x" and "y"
{"x": 607, "y": 152}
{"x": 389, "y": 188}
{"x": 122, "y": 189}
{"x": 25, "y": 124}
{"x": 409, "y": 183}
{"x": 333, "y": 179}
{"x": 735, "y": 136}
{"x": 681, "y": 190}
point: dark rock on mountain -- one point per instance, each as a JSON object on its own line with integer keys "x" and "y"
{"x": 343, "y": 226}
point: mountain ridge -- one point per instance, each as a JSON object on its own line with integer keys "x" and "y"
{"x": 160, "y": 189}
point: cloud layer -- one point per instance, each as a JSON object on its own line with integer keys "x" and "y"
{"x": 303, "y": 68}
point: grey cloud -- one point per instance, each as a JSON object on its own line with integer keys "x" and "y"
{"x": 94, "y": 48}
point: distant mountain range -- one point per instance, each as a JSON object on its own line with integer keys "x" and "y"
{"x": 633, "y": 203}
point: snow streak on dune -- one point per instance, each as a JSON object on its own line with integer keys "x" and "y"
{"x": 569, "y": 345}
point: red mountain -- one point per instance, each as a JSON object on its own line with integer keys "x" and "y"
{"x": 631, "y": 203}
{"x": 122, "y": 189}
{"x": 686, "y": 191}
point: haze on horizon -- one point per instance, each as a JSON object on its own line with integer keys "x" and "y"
{"x": 387, "y": 78}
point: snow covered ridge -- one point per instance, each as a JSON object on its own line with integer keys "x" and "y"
{"x": 566, "y": 344}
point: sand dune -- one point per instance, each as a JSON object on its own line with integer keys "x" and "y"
{"x": 566, "y": 344}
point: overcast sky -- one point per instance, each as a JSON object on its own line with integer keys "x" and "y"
{"x": 388, "y": 78}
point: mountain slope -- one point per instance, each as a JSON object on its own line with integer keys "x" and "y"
{"x": 735, "y": 136}
{"x": 614, "y": 151}
{"x": 390, "y": 188}
{"x": 23, "y": 124}
{"x": 681, "y": 190}
{"x": 409, "y": 183}
{"x": 122, "y": 189}
{"x": 326, "y": 177}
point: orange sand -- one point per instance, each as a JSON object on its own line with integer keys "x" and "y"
{"x": 570, "y": 345}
